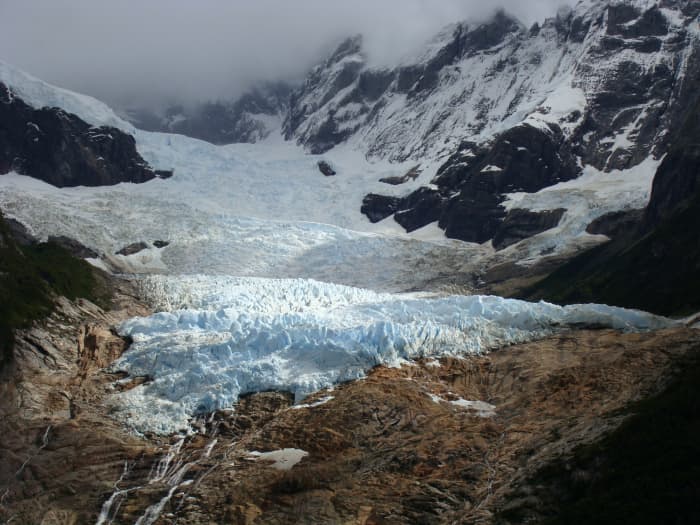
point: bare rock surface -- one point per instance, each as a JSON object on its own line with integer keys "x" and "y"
{"x": 445, "y": 441}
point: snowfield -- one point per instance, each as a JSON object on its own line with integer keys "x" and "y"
{"x": 273, "y": 279}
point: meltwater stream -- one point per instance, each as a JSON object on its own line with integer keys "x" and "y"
{"x": 175, "y": 473}
{"x": 223, "y": 337}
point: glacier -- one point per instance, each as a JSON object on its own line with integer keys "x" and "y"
{"x": 228, "y": 336}
{"x": 265, "y": 210}
{"x": 273, "y": 279}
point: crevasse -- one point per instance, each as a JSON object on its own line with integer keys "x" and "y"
{"x": 300, "y": 335}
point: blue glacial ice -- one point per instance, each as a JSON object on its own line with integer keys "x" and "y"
{"x": 232, "y": 336}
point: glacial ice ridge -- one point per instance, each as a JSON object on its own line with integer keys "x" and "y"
{"x": 232, "y": 336}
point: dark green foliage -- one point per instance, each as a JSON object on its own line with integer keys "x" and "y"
{"x": 30, "y": 278}
{"x": 646, "y": 472}
{"x": 659, "y": 273}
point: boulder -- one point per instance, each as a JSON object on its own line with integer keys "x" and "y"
{"x": 325, "y": 168}
{"x": 396, "y": 180}
{"x": 133, "y": 248}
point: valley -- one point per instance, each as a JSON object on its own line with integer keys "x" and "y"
{"x": 347, "y": 314}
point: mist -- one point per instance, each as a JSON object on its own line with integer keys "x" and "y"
{"x": 159, "y": 52}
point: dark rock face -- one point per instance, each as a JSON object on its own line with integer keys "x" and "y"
{"x": 379, "y": 207}
{"x": 411, "y": 174}
{"x": 474, "y": 215}
{"x": 471, "y": 184}
{"x": 632, "y": 98}
{"x": 522, "y": 224}
{"x": 326, "y": 168}
{"x": 678, "y": 178}
{"x": 656, "y": 267}
{"x": 19, "y": 232}
{"x": 61, "y": 149}
{"x": 75, "y": 248}
{"x": 161, "y": 244}
{"x": 133, "y": 248}
{"x": 616, "y": 224}
{"x": 419, "y": 209}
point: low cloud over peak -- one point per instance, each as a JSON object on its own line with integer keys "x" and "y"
{"x": 150, "y": 54}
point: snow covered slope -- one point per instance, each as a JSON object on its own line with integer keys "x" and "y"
{"x": 39, "y": 94}
{"x": 610, "y": 74}
{"x": 221, "y": 198}
{"x": 595, "y": 89}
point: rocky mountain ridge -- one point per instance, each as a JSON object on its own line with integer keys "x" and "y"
{"x": 634, "y": 70}
{"x": 60, "y": 148}
{"x": 622, "y": 66}
{"x": 506, "y": 108}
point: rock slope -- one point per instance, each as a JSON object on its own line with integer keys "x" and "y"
{"x": 454, "y": 441}
{"x": 59, "y": 148}
{"x": 602, "y": 85}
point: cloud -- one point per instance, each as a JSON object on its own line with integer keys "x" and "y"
{"x": 155, "y": 52}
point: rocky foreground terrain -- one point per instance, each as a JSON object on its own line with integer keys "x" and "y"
{"x": 454, "y": 441}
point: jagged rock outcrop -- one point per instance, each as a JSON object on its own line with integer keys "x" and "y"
{"x": 19, "y": 232}
{"x": 61, "y": 149}
{"x": 133, "y": 248}
{"x": 613, "y": 75}
{"x": 379, "y": 207}
{"x": 521, "y": 224}
{"x": 325, "y": 168}
{"x": 468, "y": 190}
{"x": 59, "y": 454}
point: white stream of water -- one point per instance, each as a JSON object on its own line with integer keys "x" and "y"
{"x": 169, "y": 471}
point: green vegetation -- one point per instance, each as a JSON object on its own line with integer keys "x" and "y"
{"x": 31, "y": 277}
{"x": 658, "y": 273}
{"x": 646, "y": 472}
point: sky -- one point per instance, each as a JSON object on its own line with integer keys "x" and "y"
{"x": 149, "y": 53}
